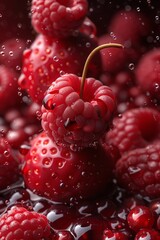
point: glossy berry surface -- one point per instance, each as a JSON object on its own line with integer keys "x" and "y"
{"x": 147, "y": 233}
{"x": 140, "y": 217}
{"x": 138, "y": 170}
{"x": 150, "y": 61}
{"x": 49, "y": 58}
{"x": 58, "y": 18}
{"x": 19, "y": 223}
{"x": 63, "y": 175}
{"x": 9, "y": 165}
{"x": 130, "y": 131}
{"x": 70, "y": 119}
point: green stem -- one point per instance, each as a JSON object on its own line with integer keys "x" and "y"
{"x": 89, "y": 58}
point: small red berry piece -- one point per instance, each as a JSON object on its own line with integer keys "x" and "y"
{"x": 63, "y": 175}
{"x": 71, "y": 120}
{"x": 135, "y": 128}
{"x": 9, "y": 167}
{"x": 19, "y": 223}
{"x": 49, "y": 58}
{"x": 147, "y": 234}
{"x": 149, "y": 68}
{"x": 138, "y": 171}
{"x": 140, "y": 217}
{"x": 111, "y": 235}
{"x": 58, "y": 18}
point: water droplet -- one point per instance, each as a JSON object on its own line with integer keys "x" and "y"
{"x": 131, "y": 66}
{"x": 55, "y": 58}
{"x": 88, "y": 44}
{"x": 48, "y": 102}
{"x": 6, "y": 153}
{"x": 47, "y": 162}
{"x": 11, "y": 53}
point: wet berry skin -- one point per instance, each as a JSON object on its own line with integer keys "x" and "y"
{"x": 9, "y": 165}
{"x": 49, "y": 58}
{"x": 63, "y": 175}
{"x": 140, "y": 217}
{"x": 58, "y": 18}
{"x": 150, "y": 234}
{"x": 130, "y": 131}
{"x": 138, "y": 171}
{"x": 70, "y": 119}
{"x": 19, "y": 223}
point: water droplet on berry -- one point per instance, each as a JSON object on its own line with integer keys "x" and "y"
{"x": 24, "y": 149}
{"x": 47, "y": 162}
{"x": 48, "y": 102}
{"x": 61, "y": 73}
{"x": 88, "y": 44}
{"x": 131, "y": 66}
{"x": 6, "y": 153}
{"x": 11, "y": 53}
{"x": 55, "y": 58}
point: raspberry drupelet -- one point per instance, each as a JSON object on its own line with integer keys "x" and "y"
{"x": 58, "y": 18}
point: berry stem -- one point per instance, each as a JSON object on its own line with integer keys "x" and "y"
{"x": 89, "y": 58}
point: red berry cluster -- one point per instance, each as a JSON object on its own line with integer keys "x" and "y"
{"x": 79, "y": 120}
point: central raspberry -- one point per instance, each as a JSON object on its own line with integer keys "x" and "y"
{"x": 69, "y": 119}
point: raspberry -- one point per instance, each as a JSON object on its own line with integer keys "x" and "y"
{"x": 18, "y": 223}
{"x": 8, "y": 89}
{"x": 63, "y": 175}
{"x": 58, "y": 18}
{"x": 130, "y": 26}
{"x": 9, "y": 166}
{"x": 49, "y": 58}
{"x": 71, "y": 120}
{"x": 140, "y": 217}
{"x": 113, "y": 59}
{"x": 149, "y": 68}
{"x": 138, "y": 171}
{"x": 11, "y": 53}
{"x": 134, "y": 129}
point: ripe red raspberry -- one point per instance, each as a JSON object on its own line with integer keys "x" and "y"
{"x": 63, "y": 175}
{"x": 58, "y": 18}
{"x": 19, "y": 223}
{"x": 148, "y": 73}
{"x": 49, "y": 58}
{"x": 70, "y": 119}
{"x": 138, "y": 171}
{"x": 9, "y": 167}
{"x": 8, "y": 89}
{"x": 135, "y": 128}
{"x": 113, "y": 59}
{"x": 130, "y": 26}
{"x": 11, "y": 52}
